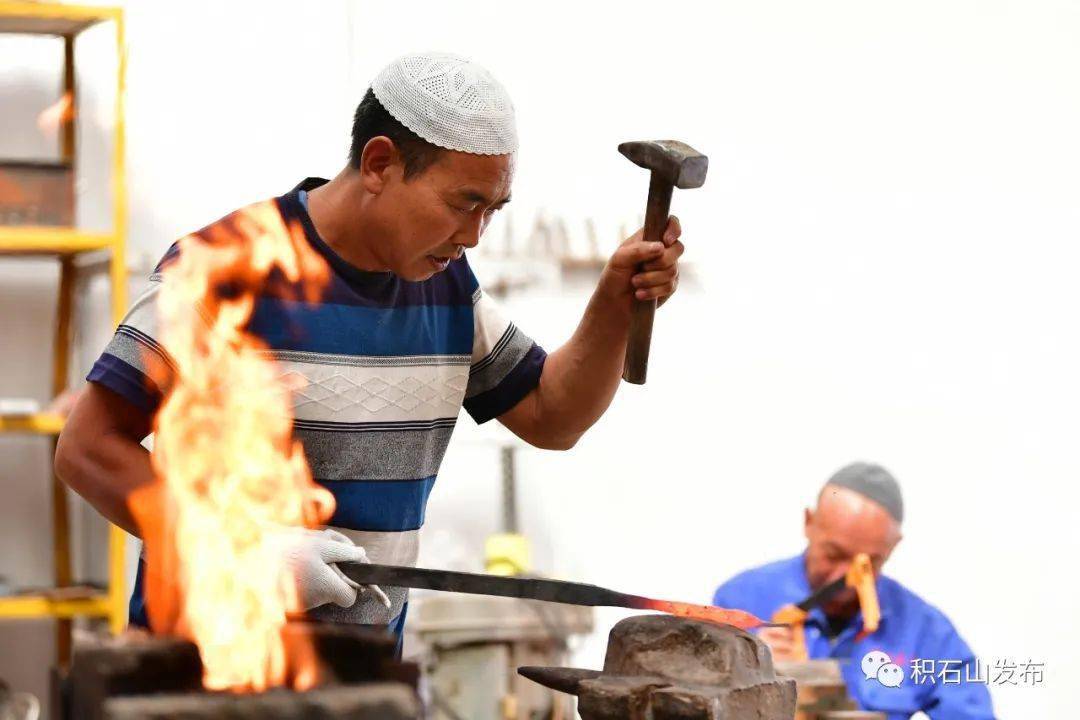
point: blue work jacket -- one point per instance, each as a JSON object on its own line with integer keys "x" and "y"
{"x": 911, "y": 631}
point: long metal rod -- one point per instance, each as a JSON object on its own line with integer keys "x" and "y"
{"x": 560, "y": 591}
{"x": 509, "y": 488}
{"x": 570, "y": 593}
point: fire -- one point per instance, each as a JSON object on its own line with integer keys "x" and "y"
{"x": 229, "y": 471}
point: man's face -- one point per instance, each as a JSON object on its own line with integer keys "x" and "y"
{"x": 844, "y": 525}
{"x": 431, "y": 218}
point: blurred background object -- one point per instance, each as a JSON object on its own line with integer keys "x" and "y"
{"x": 18, "y": 705}
{"x": 41, "y": 227}
{"x": 471, "y": 646}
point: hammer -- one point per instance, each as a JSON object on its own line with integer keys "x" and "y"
{"x": 673, "y": 165}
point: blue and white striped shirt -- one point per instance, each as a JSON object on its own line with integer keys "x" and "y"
{"x": 385, "y": 366}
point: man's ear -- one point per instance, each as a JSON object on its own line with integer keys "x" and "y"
{"x": 899, "y": 537}
{"x": 377, "y": 162}
{"x": 808, "y": 521}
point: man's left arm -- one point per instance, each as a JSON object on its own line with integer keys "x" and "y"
{"x": 579, "y": 379}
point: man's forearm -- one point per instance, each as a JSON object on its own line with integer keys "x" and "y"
{"x": 581, "y": 377}
{"x": 107, "y": 476}
{"x": 101, "y": 459}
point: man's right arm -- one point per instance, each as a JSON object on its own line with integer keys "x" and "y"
{"x": 99, "y": 456}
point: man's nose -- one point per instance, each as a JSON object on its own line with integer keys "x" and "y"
{"x": 469, "y": 236}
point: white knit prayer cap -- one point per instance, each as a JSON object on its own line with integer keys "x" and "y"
{"x": 450, "y": 102}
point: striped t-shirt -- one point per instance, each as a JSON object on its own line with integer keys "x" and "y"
{"x": 385, "y": 364}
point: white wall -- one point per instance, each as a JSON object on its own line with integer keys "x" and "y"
{"x": 886, "y": 243}
{"x": 885, "y": 246}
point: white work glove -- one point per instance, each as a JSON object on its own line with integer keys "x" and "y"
{"x": 310, "y": 555}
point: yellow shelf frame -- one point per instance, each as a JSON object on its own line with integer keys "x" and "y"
{"x": 53, "y": 18}
{"x": 67, "y": 21}
{"x": 51, "y": 241}
{"x": 37, "y": 424}
{"x": 37, "y": 606}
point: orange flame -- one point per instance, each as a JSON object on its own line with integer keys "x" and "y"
{"x": 228, "y": 469}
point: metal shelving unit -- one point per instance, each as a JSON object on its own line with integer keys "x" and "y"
{"x": 64, "y": 244}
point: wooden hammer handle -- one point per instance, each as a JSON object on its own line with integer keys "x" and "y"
{"x": 636, "y": 363}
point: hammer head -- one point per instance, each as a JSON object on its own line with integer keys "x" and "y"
{"x": 673, "y": 161}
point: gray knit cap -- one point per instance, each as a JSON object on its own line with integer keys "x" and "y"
{"x": 873, "y": 482}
